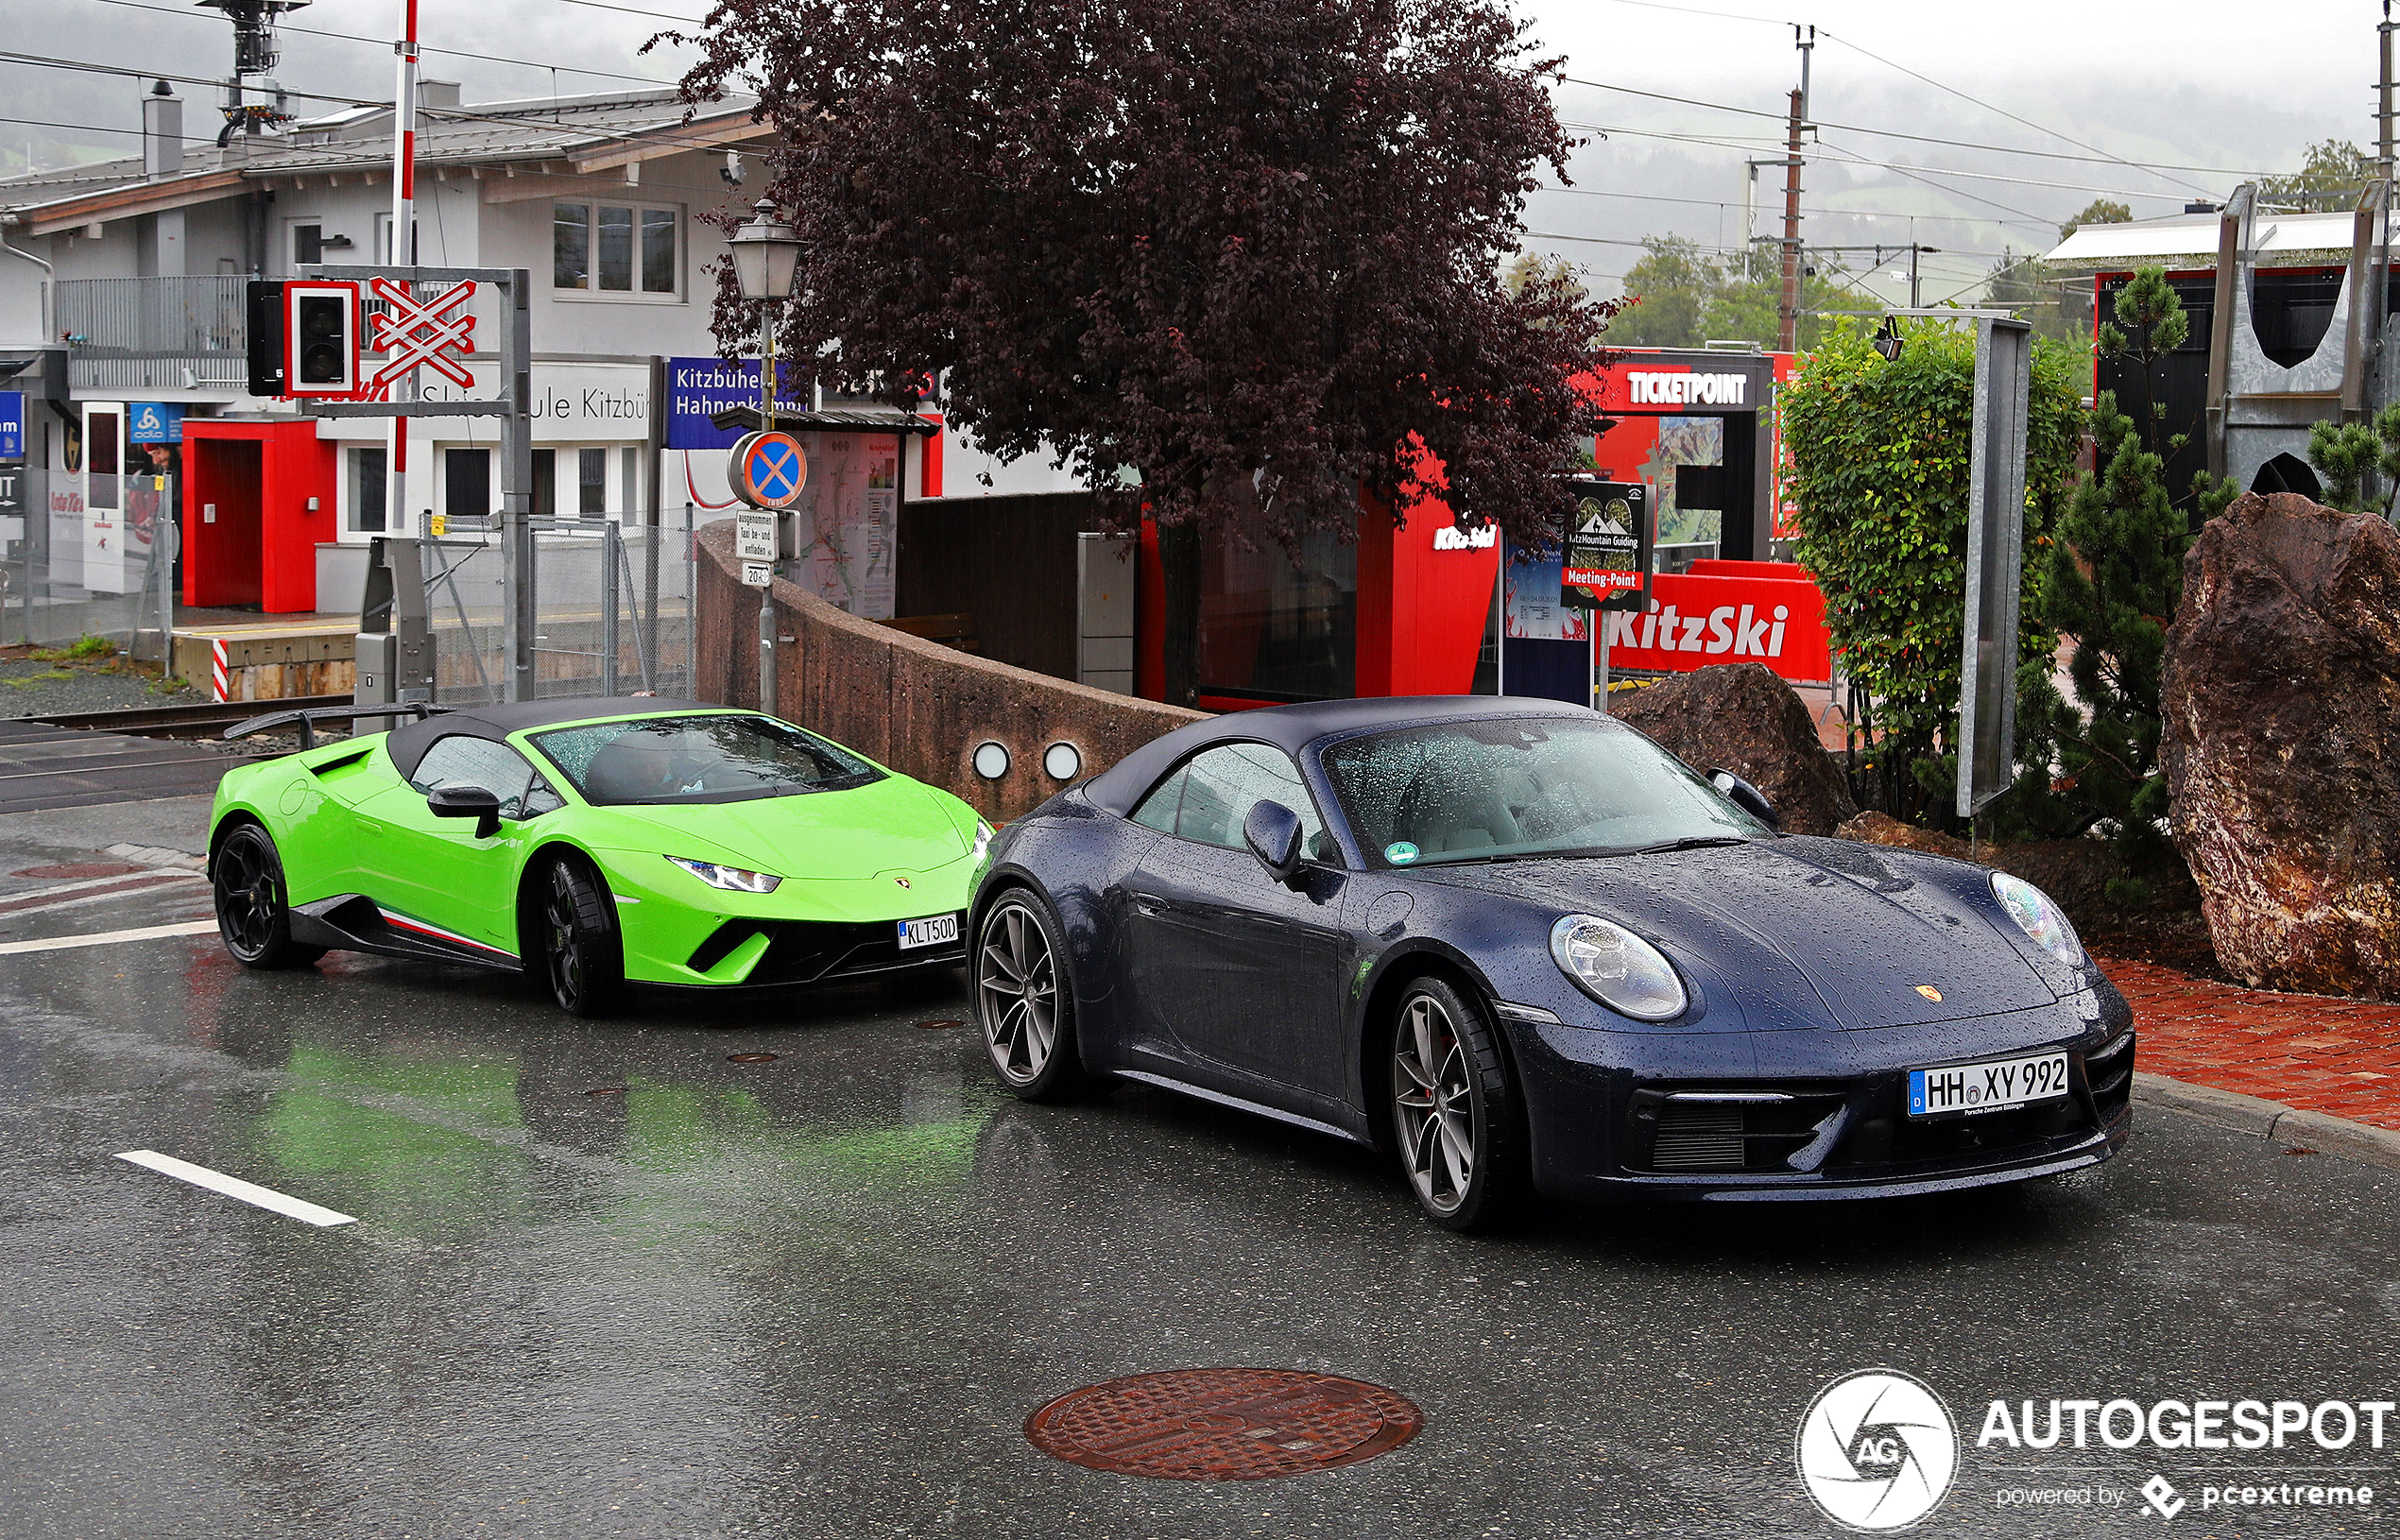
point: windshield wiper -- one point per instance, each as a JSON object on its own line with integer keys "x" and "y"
{"x": 1689, "y": 842}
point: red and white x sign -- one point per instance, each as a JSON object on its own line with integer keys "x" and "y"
{"x": 413, "y": 334}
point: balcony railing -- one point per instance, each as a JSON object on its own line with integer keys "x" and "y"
{"x": 154, "y": 333}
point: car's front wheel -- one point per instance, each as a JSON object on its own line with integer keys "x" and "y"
{"x": 253, "y": 909}
{"x": 582, "y": 955}
{"x": 1455, "y": 1115}
{"x": 1023, "y": 1000}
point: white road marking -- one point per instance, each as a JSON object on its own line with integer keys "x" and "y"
{"x": 146, "y": 933}
{"x": 42, "y": 902}
{"x": 234, "y": 1186}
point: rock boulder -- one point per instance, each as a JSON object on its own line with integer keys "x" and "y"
{"x": 1743, "y": 718}
{"x": 2281, "y": 744}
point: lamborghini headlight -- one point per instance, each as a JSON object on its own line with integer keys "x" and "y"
{"x": 2038, "y": 917}
{"x": 982, "y": 839}
{"x": 731, "y": 879}
{"x": 1617, "y": 967}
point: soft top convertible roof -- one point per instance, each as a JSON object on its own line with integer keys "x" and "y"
{"x": 1292, "y": 728}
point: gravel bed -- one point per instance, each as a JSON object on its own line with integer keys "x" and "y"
{"x": 32, "y": 688}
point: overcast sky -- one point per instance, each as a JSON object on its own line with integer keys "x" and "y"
{"x": 2236, "y": 90}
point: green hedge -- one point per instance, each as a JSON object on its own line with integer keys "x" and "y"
{"x": 1879, "y": 454}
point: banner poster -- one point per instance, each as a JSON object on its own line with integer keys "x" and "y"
{"x": 848, "y": 526}
{"x": 1533, "y": 607}
{"x": 1607, "y": 522}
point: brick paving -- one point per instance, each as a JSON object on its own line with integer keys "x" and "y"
{"x": 2325, "y": 1055}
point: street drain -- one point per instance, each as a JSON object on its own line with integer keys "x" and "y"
{"x": 1224, "y": 1424}
{"x": 606, "y": 1090}
{"x": 752, "y": 1058}
{"x": 85, "y": 868}
{"x": 948, "y": 1021}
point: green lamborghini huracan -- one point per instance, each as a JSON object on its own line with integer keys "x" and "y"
{"x": 591, "y": 844}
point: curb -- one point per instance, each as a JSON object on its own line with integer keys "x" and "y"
{"x": 2262, "y": 1118}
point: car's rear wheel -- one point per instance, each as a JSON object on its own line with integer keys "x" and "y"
{"x": 1023, "y": 1000}
{"x": 582, "y": 955}
{"x": 253, "y": 909}
{"x": 1455, "y": 1116}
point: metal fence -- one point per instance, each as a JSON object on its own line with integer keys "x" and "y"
{"x": 612, "y": 603}
{"x": 152, "y": 333}
{"x": 72, "y": 576}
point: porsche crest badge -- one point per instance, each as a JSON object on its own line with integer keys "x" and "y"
{"x": 1930, "y": 992}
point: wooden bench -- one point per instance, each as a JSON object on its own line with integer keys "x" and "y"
{"x": 949, "y": 630}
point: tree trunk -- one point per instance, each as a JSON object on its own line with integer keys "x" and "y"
{"x": 1179, "y": 565}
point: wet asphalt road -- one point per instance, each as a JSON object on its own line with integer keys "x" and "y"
{"x": 817, "y": 1296}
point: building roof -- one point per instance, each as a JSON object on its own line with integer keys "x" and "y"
{"x": 2195, "y": 235}
{"x": 572, "y": 135}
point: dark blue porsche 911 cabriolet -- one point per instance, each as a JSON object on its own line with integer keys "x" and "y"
{"x": 1525, "y": 948}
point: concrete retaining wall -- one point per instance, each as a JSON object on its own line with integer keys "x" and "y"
{"x": 917, "y": 706}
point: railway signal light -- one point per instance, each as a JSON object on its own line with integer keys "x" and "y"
{"x": 320, "y": 339}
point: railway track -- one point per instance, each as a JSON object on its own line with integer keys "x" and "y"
{"x": 206, "y": 720}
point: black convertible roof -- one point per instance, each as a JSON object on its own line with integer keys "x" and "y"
{"x": 407, "y": 744}
{"x": 1292, "y": 728}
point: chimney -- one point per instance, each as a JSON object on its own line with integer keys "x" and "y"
{"x": 437, "y": 94}
{"x": 161, "y": 133}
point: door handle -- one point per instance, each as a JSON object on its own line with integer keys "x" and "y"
{"x": 1149, "y": 904}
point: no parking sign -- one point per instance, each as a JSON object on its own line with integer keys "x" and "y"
{"x": 768, "y": 469}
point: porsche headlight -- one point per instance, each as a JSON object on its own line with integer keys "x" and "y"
{"x": 982, "y": 839}
{"x": 1617, "y": 967}
{"x": 2038, "y": 917}
{"x": 731, "y": 879}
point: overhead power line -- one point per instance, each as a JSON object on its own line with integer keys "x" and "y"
{"x": 384, "y": 43}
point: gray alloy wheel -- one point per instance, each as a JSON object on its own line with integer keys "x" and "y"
{"x": 1022, "y": 999}
{"x": 1454, "y": 1113}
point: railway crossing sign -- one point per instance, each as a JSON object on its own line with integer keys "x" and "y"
{"x": 768, "y": 469}
{"x": 413, "y": 334}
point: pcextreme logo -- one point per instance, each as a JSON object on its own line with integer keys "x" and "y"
{"x": 1877, "y": 1451}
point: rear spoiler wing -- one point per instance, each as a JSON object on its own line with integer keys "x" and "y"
{"x": 307, "y": 717}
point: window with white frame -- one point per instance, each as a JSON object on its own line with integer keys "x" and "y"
{"x": 615, "y": 249}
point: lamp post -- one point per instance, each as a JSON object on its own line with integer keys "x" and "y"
{"x": 766, "y": 259}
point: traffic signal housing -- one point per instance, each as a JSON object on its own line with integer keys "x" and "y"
{"x": 320, "y": 339}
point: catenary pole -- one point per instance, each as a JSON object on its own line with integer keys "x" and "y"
{"x": 1788, "y": 313}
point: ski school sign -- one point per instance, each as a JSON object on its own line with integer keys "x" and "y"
{"x": 1771, "y": 614}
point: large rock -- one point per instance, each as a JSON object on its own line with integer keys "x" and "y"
{"x": 2281, "y": 746}
{"x": 1743, "y": 718}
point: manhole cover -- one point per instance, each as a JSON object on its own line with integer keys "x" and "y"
{"x": 85, "y": 868}
{"x": 937, "y": 1024}
{"x": 752, "y": 1058}
{"x": 1224, "y": 1424}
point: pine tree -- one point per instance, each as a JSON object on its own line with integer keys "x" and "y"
{"x": 2111, "y": 580}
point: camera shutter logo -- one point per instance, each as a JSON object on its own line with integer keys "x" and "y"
{"x": 1877, "y": 1451}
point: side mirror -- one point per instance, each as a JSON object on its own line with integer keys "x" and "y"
{"x": 1749, "y": 798}
{"x": 467, "y": 803}
{"x": 1273, "y": 833}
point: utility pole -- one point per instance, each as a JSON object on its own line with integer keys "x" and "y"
{"x": 1788, "y": 315}
{"x": 2383, "y": 105}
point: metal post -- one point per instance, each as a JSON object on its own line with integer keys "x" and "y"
{"x": 1788, "y": 319}
{"x": 2383, "y": 96}
{"x": 610, "y": 549}
{"x": 403, "y": 251}
{"x": 644, "y": 662}
{"x": 691, "y": 600}
{"x": 766, "y": 594}
{"x": 1600, "y": 656}
{"x": 515, "y": 491}
{"x": 654, "y": 534}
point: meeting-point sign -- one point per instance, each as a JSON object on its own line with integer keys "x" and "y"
{"x": 768, "y": 469}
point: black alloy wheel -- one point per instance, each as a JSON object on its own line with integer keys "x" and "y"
{"x": 582, "y": 955}
{"x": 1022, "y": 999}
{"x": 253, "y": 914}
{"x": 1455, "y": 1117}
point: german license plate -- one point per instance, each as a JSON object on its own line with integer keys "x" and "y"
{"x": 931, "y": 931}
{"x": 1993, "y": 1086}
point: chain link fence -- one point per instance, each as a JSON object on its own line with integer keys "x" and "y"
{"x": 103, "y": 569}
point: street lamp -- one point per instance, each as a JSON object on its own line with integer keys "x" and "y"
{"x": 766, "y": 259}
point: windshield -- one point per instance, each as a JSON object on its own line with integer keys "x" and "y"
{"x": 1516, "y": 788}
{"x": 699, "y": 759}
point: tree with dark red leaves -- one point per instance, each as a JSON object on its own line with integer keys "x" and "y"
{"x": 1234, "y": 261}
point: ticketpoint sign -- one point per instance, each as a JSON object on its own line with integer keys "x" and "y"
{"x": 1656, "y": 387}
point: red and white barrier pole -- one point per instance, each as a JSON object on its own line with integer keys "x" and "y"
{"x": 220, "y": 686}
{"x": 403, "y": 251}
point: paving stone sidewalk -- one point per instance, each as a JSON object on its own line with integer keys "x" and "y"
{"x": 2320, "y": 1055}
